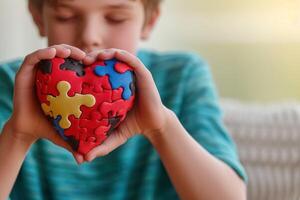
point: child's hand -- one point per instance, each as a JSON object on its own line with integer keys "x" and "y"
{"x": 148, "y": 115}
{"x": 27, "y": 121}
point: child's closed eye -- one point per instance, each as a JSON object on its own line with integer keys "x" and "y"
{"x": 65, "y": 18}
{"x": 115, "y": 19}
{"x": 112, "y": 20}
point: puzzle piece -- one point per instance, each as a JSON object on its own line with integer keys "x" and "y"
{"x": 100, "y": 135}
{"x": 116, "y": 79}
{"x": 58, "y": 104}
{"x": 97, "y": 126}
{"x": 58, "y": 128}
{"x": 45, "y": 66}
{"x": 117, "y": 108}
{"x": 114, "y": 122}
{"x": 75, "y": 130}
{"x": 122, "y": 67}
{"x": 88, "y": 132}
{"x": 51, "y": 75}
{"x": 99, "y": 83}
{"x": 73, "y": 65}
{"x": 94, "y": 121}
{"x": 42, "y": 87}
{"x": 117, "y": 94}
{"x": 70, "y": 139}
{"x": 104, "y": 95}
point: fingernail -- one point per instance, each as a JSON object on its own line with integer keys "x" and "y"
{"x": 89, "y": 56}
{"x": 122, "y": 52}
{"x": 69, "y": 50}
{"x": 106, "y": 51}
{"x": 90, "y": 159}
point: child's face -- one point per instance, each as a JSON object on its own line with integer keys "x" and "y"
{"x": 94, "y": 24}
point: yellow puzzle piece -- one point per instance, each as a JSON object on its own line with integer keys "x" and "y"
{"x": 65, "y": 105}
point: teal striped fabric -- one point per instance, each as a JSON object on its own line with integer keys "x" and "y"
{"x": 133, "y": 171}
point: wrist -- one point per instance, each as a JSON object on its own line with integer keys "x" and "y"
{"x": 12, "y": 154}
{"x": 9, "y": 131}
{"x": 161, "y": 134}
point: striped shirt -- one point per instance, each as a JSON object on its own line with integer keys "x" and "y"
{"x": 134, "y": 170}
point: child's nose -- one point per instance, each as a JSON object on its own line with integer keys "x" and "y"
{"x": 91, "y": 34}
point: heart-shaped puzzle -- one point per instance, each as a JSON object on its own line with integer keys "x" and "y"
{"x": 85, "y": 103}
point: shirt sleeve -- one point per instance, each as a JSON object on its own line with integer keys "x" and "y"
{"x": 7, "y": 75}
{"x": 202, "y": 118}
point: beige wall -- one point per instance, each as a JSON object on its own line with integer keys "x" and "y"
{"x": 253, "y": 46}
{"x": 18, "y": 36}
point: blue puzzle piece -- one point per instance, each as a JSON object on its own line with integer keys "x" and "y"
{"x": 58, "y": 128}
{"x": 116, "y": 79}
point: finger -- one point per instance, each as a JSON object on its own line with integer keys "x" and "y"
{"x": 134, "y": 62}
{"x": 91, "y": 57}
{"x": 111, "y": 143}
{"x": 143, "y": 76}
{"x": 127, "y": 58}
{"x": 76, "y": 53}
{"x": 104, "y": 54}
{"x": 25, "y": 76}
{"x": 107, "y": 54}
{"x": 78, "y": 158}
{"x": 32, "y": 59}
{"x": 62, "y": 51}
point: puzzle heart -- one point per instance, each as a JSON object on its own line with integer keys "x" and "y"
{"x": 85, "y": 103}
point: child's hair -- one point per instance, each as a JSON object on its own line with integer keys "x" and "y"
{"x": 149, "y": 5}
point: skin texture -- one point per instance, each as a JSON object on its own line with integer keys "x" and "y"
{"x": 103, "y": 30}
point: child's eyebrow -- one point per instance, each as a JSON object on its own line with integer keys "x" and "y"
{"x": 59, "y": 3}
{"x": 112, "y": 5}
{"x": 119, "y": 5}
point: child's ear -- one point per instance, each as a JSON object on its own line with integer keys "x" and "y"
{"x": 37, "y": 17}
{"x": 150, "y": 23}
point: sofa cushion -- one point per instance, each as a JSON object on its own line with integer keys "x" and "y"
{"x": 268, "y": 140}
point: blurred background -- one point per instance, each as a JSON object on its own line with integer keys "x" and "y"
{"x": 253, "y": 46}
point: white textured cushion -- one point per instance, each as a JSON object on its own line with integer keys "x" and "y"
{"x": 268, "y": 140}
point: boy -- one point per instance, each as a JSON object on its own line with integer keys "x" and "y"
{"x": 178, "y": 146}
